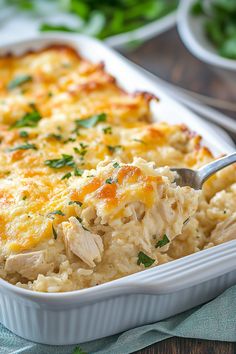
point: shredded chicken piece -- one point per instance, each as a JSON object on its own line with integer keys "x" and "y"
{"x": 85, "y": 245}
{"x": 29, "y": 265}
{"x": 224, "y": 231}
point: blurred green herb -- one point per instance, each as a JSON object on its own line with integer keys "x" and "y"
{"x": 66, "y": 176}
{"x": 57, "y": 212}
{"x": 91, "y": 121}
{"x": 26, "y": 146}
{"x": 23, "y": 134}
{"x": 220, "y": 24}
{"x": 65, "y": 160}
{"x": 103, "y": 18}
{"x": 29, "y": 119}
{"x": 18, "y": 81}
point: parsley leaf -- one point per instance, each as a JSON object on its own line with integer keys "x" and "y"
{"x": 145, "y": 260}
{"x": 23, "y": 134}
{"x": 140, "y": 141}
{"x": 30, "y": 119}
{"x": 91, "y": 121}
{"x": 66, "y": 176}
{"x": 75, "y": 202}
{"x": 110, "y": 181}
{"x": 163, "y": 241}
{"x": 56, "y": 212}
{"x": 81, "y": 222}
{"x": 69, "y": 140}
{"x": 54, "y": 136}
{"x": 18, "y": 81}
{"x": 66, "y": 160}
{"x": 26, "y": 146}
{"x": 114, "y": 148}
{"x": 78, "y": 171}
{"x": 116, "y": 165}
{"x": 82, "y": 151}
{"x": 107, "y": 130}
{"x": 54, "y": 232}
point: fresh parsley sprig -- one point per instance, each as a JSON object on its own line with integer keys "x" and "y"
{"x": 29, "y": 119}
{"x": 26, "y": 146}
{"x": 164, "y": 241}
{"x": 65, "y": 160}
{"x": 114, "y": 148}
{"x": 145, "y": 260}
{"x": 18, "y": 81}
{"x": 56, "y": 212}
{"x": 91, "y": 121}
{"x": 82, "y": 151}
{"x": 71, "y": 202}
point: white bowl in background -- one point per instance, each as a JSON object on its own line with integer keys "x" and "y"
{"x": 191, "y": 30}
{"x": 16, "y": 26}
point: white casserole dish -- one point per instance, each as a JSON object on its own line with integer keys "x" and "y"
{"x": 148, "y": 296}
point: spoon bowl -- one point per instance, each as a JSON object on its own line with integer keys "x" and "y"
{"x": 196, "y": 178}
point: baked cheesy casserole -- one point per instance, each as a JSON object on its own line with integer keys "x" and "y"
{"x": 86, "y": 191}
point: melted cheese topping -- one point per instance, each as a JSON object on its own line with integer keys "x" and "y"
{"x": 60, "y": 88}
{"x": 111, "y": 187}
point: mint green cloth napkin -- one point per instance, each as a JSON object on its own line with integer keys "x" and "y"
{"x": 215, "y": 320}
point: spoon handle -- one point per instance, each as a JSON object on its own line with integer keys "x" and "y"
{"x": 208, "y": 170}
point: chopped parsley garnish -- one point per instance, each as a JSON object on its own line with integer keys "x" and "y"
{"x": 91, "y": 121}
{"x": 81, "y": 222}
{"x": 55, "y": 136}
{"x": 30, "y": 119}
{"x": 114, "y": 148}
{"x": 82, "y": 151}
{"x": 65, "y": 160}
{"x": 26, "y": 146}
{"x": 116, "y": 165}
{"x": 186, "y": 221}
{"x": 54, "y": 232}
{"x": 69, "y": 140}
{"x": 18, "y": 81}
{"x": 140, "y": 141}
{"x": 66, "y": 65}
{"x": 78, "y": 171}
{"x": 56, "y": 212}
{"x": 107, "y": 130}
{"x": 67, "y": 175}
{"x": 163, "y": 241}
{"x": 23, "y": 134}
{"x": 145, "y": 260}
{"x": 110, "y": 181}
{"x": 75, "y": 202}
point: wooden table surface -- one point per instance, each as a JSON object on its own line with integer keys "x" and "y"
{"x": 167, "y": 57}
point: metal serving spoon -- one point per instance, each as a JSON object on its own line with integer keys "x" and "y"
{"x": 196, "y": 178}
